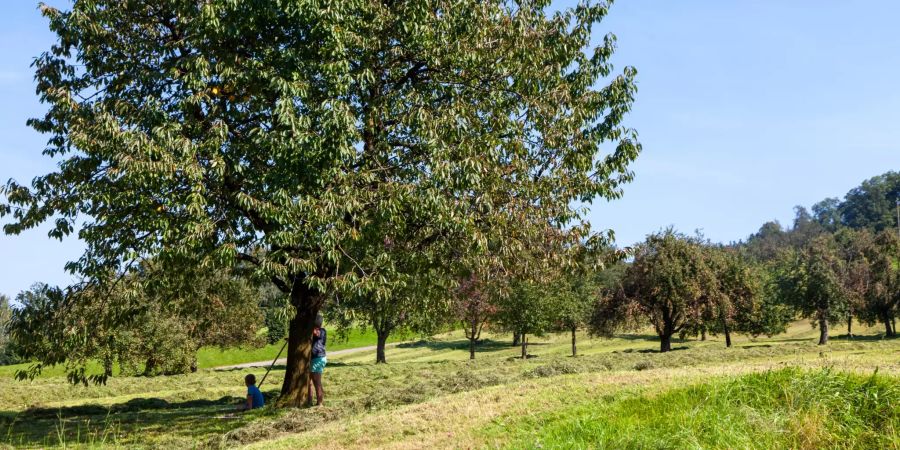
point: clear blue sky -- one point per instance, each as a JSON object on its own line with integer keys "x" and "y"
{"x": 746, "y": 108}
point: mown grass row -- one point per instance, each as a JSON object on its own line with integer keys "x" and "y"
{"x": 182, "y": 411}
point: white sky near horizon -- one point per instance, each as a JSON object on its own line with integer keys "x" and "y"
{"x": 745, "y": 109}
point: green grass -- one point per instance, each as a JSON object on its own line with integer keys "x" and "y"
{"x": 209, "y": 357}
{"x": 428, "y": 395}
{"x": 787, "y": 408}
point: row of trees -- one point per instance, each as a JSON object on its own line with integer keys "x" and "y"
{"x": 150, "y": 328}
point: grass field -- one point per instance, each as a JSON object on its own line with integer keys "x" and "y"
{"x": 618, "y": 393}
{"x": 210, "y": 357}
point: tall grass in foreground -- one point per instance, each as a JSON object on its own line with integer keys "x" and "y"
{"x": 788, "y": 408}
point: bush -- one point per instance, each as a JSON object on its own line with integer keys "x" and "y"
{"x": 276, "y": 324}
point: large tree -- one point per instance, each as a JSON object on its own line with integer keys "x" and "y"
{"x": 302, "y": 139}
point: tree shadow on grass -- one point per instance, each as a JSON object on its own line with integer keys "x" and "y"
{"x": 638, "y": 337}
{"x": 862, "y": 338}
{"x": 651, "y": 350}
{"x": 136, "y": 420}
{"x": 485, "y": 345}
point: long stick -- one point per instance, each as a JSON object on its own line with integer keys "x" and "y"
{"x": 273, "y": 363}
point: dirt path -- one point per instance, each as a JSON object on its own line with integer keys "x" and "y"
{"x": 283, "y": 361}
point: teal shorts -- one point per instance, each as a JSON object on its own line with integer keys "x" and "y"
{"x": 318, "y": 364}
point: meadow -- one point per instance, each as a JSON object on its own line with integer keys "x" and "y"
{"x": 783, "y": 391}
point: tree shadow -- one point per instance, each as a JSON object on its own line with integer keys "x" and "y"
{"x": 484, "y": 345}
{"x": 861, "y": 338}
{"x": 93, "y": 423}
{"x": 651, "y": 350}
{"x": 638, "y": 337}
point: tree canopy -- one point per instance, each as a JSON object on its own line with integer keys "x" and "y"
{"x": 304, "y": 140}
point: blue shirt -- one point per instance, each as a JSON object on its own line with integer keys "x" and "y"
{"x": 256, "y": 397}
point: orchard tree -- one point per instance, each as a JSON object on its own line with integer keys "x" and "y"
{"x": 421, "y": 306}
{"x": 7, "y": 355}
{"x": 301, "y": 139}
{"x": 161, "y": 328}
{"x": 577, "y": 290}
{"x": 474, "y": 306}
{"x": 670, "y": 282}
{"x": 742, "y": 303}
{"x": 882, "y": 296}
{"x": 575, "y": 298}
{"x": 811, "y": 280}
{"x": 854, "y": 249}
{"x": 527, "y": 308}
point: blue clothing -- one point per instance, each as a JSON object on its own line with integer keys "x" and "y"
{"x": 317, "y": 365}
{"x": 256, "y": 397}
{"x": 318, "y": 344}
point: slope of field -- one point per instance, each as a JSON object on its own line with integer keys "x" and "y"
{"x": 430, "y": 395}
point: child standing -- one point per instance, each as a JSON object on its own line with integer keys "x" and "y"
{"x": 317, "y": 365}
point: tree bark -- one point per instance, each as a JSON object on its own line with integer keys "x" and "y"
{"x": 380, "y": 346}
{"x": 889, "y": 330}
{"x": 516, "y": 338}
{"x": 823, "y": 331}
{"x": 524, "y": 346}
{"x": 849, "y": 326}
{"x": 665, "y": 343}
{"x": 295, "y": 389}
{"x": 727, "y": 334}
{"x": 574, "y": 350}
{"x": 472, "y": 348}
{"x": 703, "y": 334}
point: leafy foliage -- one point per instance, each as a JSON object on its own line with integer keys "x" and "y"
{"x": 304, "y": 140}
{"x": 810, "y": 280}
{"x": 148, "y": 332}
{"x": 744, "y": 302}
{"x": 474, "y": 306}
{"x": 875, "y": 278}
{"x": 7, "y": 352}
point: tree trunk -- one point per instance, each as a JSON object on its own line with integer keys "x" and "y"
{"x": 703, "y": 334}
{"x": 472, "y": 348}
{"x": 665, "y": 342}
{"x": 727, "y": 334}
{"x": 524, "y": 346}
{"x": 893, "y": 326}
{"x": 889, "y": 330}
{"x": 823, "y": 331}
{"x": 295, "y": 390}
{"x": 516, "y": 338}
{"x": 849, "y": 326}
{"x": 149, "y": 366}
{"x": 379, "y": 348}
{"x": 574, "y": 350}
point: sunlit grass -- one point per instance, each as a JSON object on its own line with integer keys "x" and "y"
{"x": 429, "y": 393}
{"x": 787, "y": 408}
